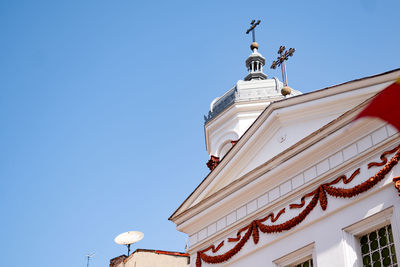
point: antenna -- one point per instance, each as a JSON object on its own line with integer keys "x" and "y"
{"x": 186, "y": 243}
{"x": 128, "y": 238}
{"x": 88, "y": 258}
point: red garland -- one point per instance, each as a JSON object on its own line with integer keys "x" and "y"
{"x": 337, "y": 180}
{"x": 383, "y": 158}
{"x": 396, "y": 181}
{"x": 213, "y": 162}
{"x": 273, "y": 218}
{"x": 213, "y": 248}
{"x": 318, "y": 194}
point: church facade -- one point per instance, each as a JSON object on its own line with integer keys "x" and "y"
{"x": 294, "y": 181}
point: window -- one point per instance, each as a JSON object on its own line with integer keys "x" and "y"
{"x": 372, "y": 241}
{"x": 302, "y": 257}
{"x": 307, "y": 263}
{"x": 377, "y": 248}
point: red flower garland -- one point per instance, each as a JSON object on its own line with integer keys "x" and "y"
{"x": 319, "y": 194}
{"x": 396, "y": 181}
{"x": 383, "y": 158}
{"x": 213, "y": 162}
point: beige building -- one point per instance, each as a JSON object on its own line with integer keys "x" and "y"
{"x": 152, "y": 258}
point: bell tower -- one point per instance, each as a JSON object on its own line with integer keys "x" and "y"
{"x": 232, "y": 113}
{"x": 256, "y": 61}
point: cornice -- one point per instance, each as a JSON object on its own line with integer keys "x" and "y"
{"x": 269, "y": 165}
{"x": 183, "y": 213}
{"x": 300, "y": 146}
{"x": 293, "y": 197}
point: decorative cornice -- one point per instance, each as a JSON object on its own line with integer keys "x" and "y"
{"x": 292, "y": 151}
{"x": 380, "y": 138}
{"x": 184, "y": 210}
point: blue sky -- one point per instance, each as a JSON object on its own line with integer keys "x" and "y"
{"x": 102, "y": 103}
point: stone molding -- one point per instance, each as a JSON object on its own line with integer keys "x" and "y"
{"x": 287, "y": 187}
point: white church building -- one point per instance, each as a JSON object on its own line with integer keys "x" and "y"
{"x": 294, "y": 180}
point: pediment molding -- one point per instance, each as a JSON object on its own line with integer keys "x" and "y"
{"x": 273, "y": 174}
{"x": 201, "y": 198}
{"x": 289, "y": 197}
{"x": 264, "y": 168}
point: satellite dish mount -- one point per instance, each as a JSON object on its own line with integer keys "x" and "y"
{"x": 129, "y": 248}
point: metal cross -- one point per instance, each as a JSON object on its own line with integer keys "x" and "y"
{"x": 280, "y": 61}
{"x": 252, "y": 29}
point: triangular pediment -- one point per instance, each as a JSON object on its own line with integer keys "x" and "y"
{"x": 283, "y": 125}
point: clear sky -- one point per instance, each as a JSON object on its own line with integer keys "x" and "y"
{"x": 102, "y": 104}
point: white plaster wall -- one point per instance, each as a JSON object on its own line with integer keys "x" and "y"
{"x": 284, "y": 138}
{"x": 252, "y": 98}
{"x": 323, "y": 228}
{"x": 326, "y": 158}
{"x": 232, "y": 124}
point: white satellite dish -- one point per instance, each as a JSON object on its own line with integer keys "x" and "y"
{"x": 129, "y": 238}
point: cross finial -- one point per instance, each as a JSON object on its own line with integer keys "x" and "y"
{"x": 252, "y": 28}
{"x": 280, "y": 61}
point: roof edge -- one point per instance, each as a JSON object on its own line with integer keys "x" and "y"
{"x": 156, "y": 251}
{"x": 270, "y": 108}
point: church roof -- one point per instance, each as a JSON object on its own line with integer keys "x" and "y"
{"x": 269, "y": 90}
{"x": 192, "y": 202}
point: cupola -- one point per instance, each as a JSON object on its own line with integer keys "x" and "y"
{"x": 233, "y": 113}
{"x": 255, "y": 63}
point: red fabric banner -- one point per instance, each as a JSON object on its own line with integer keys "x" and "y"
{"x": 385, "y": 105}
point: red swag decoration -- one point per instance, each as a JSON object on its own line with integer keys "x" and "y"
{"x": 385, "y": 105}
{"x": 213, "y": 162}
{"x": 396, "y": 181}
{"x": 318, "y": 195}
